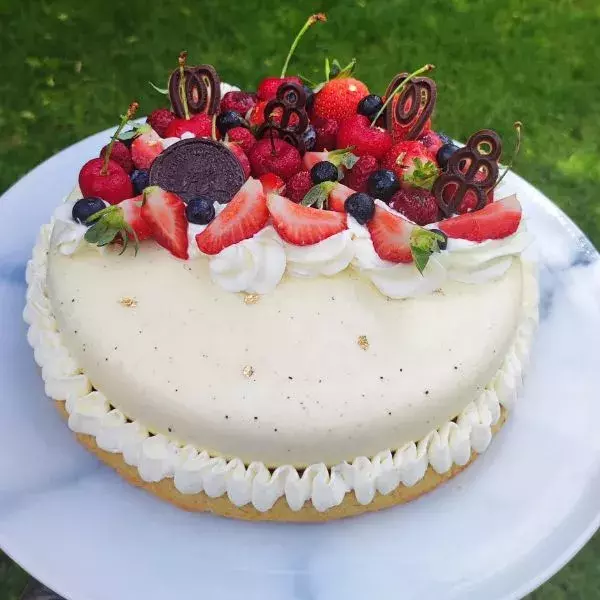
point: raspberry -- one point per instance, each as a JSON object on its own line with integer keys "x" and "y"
{"x": 120, "y": 154}
{"x": 416, "y": 204}
{"x": 240, "y": 102}
{"x": 357, "y": 177}
{"x": 297, "y": 186}
{"x": 243, "y": 137}
{"x": 326, "y": 130}
{"x": 160, "y": 119}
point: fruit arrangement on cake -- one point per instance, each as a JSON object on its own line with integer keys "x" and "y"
{"x": 298, "y": 303}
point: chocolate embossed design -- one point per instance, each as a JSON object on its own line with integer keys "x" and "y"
{"x": 291, "y": 98}
{"x": 202, "y": 89}
{"x": 472, "y": 168}
{"x": 414, "y": 106}
{"x": 198, "y": 166}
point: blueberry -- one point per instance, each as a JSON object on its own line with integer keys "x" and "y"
{"x": 444, "y": 154}
{"x": 310, "y": 138}
{"x": 442, "y": 244}
{"x": 228, "y": 120}
{"x": 370, "y": 105}
{"x": 139, "y": 178}
{"x": 86, "y": 207}
{"x": 383, "y": 184}
{"x": 324, "y": 171}
{"x": 361, "y": 206}
{"x": 200, "y": 210}
{"x": 310, "y": 97}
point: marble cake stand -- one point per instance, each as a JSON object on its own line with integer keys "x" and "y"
{"x": 498, "y": 530}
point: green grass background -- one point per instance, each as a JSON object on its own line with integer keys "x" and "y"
{"x": 69, "y": 68}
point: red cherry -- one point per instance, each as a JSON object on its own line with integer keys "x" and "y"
{"x": 113, "y": 185}
{"x": 274, "y": 156}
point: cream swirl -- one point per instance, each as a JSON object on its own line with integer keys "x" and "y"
{"x": 255, "y": 265}
{"x": 157, "y": 457}
{"x": 68, "y": 235}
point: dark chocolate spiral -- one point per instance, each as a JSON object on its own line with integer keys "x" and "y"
{"x": 472, "y": 168}
{"x": 202, "y": 90}
{"x": 291, "y": 98}
{"x": 414, "y": 106}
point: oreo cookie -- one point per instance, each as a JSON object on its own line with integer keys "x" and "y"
{"x": 198, "y": 167}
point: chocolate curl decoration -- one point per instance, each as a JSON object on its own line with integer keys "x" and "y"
{"x": 465, "y": 169}
{"x": 202, "y": 90}
{"x": 291, "y": 98}
{"x": 414, "y": 106}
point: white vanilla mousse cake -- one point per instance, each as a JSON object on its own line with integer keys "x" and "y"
{"x": 243, "y": 319}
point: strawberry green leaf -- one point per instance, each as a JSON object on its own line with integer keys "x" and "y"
{"x": 127, "y": 135}
{"x": 423, "y": 175}
{"x": 164, "y": 91}
{"x": 349, "y": 160}
{"x": 327, "y": 69}
{"x": 346, "y": 71}
{"x": 424, "y": 243}
{"x": 318, "y": 194}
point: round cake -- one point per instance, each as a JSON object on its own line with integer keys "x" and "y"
{"x": 277, "y": 351}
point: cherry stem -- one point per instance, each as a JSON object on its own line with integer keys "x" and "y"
{"x": 182, "y": 95}
{"x": 401, "y": 86}
{"x": 309, "y": 23}
{"x": 126, "y": 117}
{"x": 518, "y": 126}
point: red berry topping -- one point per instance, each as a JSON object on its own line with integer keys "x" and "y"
{"x": 267, "y": 89}
{"x": 243, "y": 137}
{"x": 338, "y": 196}
{"x": 496, "y": 221}
{"x": 241, "y": 156}
{"x": 160, "y": 119}
{"x": 120, "y": 154}
{"x": 164, "y": 212}
{"x": 297, "y": 186}
{"x": 364, "y": 139}
{"x": 390, "y": 235}
{"x": 338, "y": 99}
{"x": 416, "y": 204}
{"x": 111, "y": 184}
{"x": 240, "y": 102}
{"x": 132, "y": 214}
{"x": 245, "y": 215}
{"x": 412, "y": 163}
{"x": 274, "y": 156}
{"x": 200, "y": 125}
{"x": 326, "y": 130}
{"x": 145, "y": 148}
{"x": 272, "y": 184}
{"x": 432, "y": 142}
{"x": 302, "y": 225}
{"x": 357, "y": 177}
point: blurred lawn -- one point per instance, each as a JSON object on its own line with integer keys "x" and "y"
{"x": 70, "y": 68}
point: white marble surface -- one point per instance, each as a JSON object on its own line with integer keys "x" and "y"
{"x": 496, "y": 531}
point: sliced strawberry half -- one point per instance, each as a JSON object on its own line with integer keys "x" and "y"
{"x": 302, "y": 225}
{"x": 337, "y": 197}
{"x": 145, "y": 148}
{"x": 493, "y": 222}
{"x": 132, "y": 213}
{"x": 272, "y": 184}
{"x": 390, "y": 235}
{"x": 164, "y": 212}
{"x": 245, "y": 215}
{"x": 310, "y": 159}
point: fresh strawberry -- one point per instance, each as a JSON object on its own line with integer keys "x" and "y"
{"x": 132, "y": 214}
{"x": 241, "y": 156}
{"x": 470, "y": 201}
{"x": 358, "y": 176}
{"x": 326, "y": 130}
{"x": 160, "y": 119}
{"x": 272, "y": 184}
{"x": 298, "y": 186}
{"x": 338, "y": 196}
{"x": 245, "y": 215}
{"x": 274, "y": 156}
{"x": 390, "y": 235}
{"x": 240, "y": 102}
{"x": 145, "y": 148}
{"x": 338, "y": 99}
{"x": 120, "y": 154}
{"x": 107, "y": 181}
{"x": 412, "y": 164}
{"x": 243, "y": 137}
{"x": 267, "y": 88}
{"x": 356, "y": 132}
{"x": 200, "y": 125}
{"x": 416, "y": 204}
{"x": 164, "y": 212}
{"x": 302, "y": 225}
{"x": 496, "y": 221}
{"x": 432, "y": 142}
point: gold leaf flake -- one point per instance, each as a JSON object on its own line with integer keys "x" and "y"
{"x": 248, "y": 371}
{"x": 128, "y": 302}
{"x": 363, "y": 342}
{"x": 251, "y": 298}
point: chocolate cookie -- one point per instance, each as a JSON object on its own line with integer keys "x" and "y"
{"x": 198, "y": 167}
